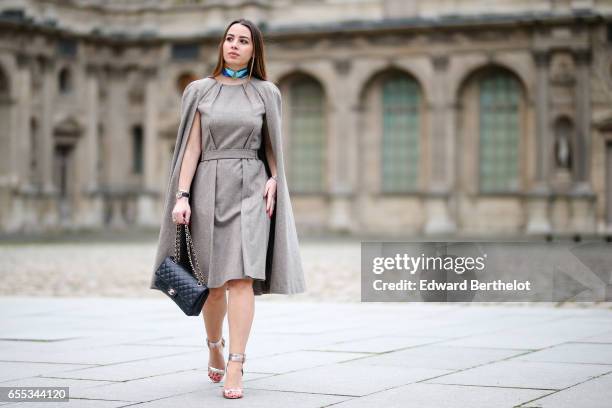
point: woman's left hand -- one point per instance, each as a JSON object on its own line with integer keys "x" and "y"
{"x": 270, "y": 194}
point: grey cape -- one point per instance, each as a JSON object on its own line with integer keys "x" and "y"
{"x": 284, "y": 274}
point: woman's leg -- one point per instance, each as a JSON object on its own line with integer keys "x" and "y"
{"x": 213, "y": 312}
{"x": 241, "y": 307}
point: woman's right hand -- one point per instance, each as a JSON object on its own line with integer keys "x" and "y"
{"x": 182, "y": 211}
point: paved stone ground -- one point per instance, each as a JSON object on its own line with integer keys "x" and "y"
{"x": 117, "y": 352}
{"x": 79, "y": 313}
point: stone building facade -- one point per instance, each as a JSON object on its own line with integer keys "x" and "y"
{"x": 400, "y": 117}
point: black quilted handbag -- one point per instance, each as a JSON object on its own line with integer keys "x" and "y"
{"x": 175, "y": 278}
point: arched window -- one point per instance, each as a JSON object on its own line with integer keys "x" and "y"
{"x": 499, "y": 128}
{"x": 183, "y": 80}
{"x": 65, "y": 80}
{"x": 34, "y": 152}
{"x": 6, "y": 139}
{"x": 400, "y": 150}
{"x": 103, "y": 157}
{"x": 137, "y": 149}
{"x": 307, "y": 143}
{"x": 4, "y": 84}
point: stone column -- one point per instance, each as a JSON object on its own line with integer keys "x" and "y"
{"x": 91, "y": 136}
{"x": 50, "y": 216}
{"x": 92, "y": 212}
{"x": 440, "y": 161}
{"x": 582, "y": 197}
{"x": 23, "y": 213}
{"x": 538, "y": 218}
{"x": 10, "y": 101}
{"x": 24, "y": 149}
{"x": 118, "y": 139}
{"x": 343, "y": 149}
{"x": 583, "y": 119}
{"x": 46, "y": 126}
{"x": 147, "y": 214}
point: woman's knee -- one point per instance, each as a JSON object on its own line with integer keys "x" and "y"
{"x": 217, "y": 293}
{"x": 240, "y": 284}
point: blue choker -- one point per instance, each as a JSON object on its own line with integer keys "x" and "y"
{"x": 241, "y": 73}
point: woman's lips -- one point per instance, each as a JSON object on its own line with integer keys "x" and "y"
{"x": 233, "y": 54}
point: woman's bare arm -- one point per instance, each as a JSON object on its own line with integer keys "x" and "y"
{"x": 193, "y": 151}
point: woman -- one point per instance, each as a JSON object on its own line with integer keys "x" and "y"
{"x": 227, "y": 180}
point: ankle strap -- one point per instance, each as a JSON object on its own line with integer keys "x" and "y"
{"x": 236, "y": 357}
{"x": 215, "y": 344}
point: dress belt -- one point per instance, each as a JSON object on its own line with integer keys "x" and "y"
{"x": 229, "y": 154}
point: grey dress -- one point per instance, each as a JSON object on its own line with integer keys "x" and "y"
{"x": 231, "y": 123}
{"x": 283, "y": 265}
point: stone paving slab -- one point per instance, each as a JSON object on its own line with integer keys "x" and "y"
{"x": 117, "y": 352}
{"x": 525, "y": 374}
{"x": 134, "y": 370}
{"x": 588, "y": 353}
{"x": 72, "y": 403}
{"x": 599, "y": 338}
{"x": 441, "y": 357}
{"x": 77, "y": 387}
{"x": 253, "y": 398}
{"x": 596, "y": 393}
{"x": 92, "y": 355}
{"x": 323, "y": 338}
{"x": 378, "y": 344}
{"x": 153, "y": 387}
{"x": 536, "y": 336}
{"x": 424, "y": 395}
{"x": 460, "y": 323}
{"x": 345, "y": 379}
{"x": 15, "y": 370}
{"x": 260, "y": 345}
{"x": 297, "y": 360}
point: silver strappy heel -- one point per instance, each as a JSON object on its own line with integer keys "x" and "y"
{"x": 215, "y": 374}
{"x": 234, "y": 392}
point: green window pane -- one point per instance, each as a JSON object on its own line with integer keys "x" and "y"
{"x": 400, "y": 150}
{"x": 499, "y": 124}
{"x": 137, "y": 149}
{"x": 307, "y": 137}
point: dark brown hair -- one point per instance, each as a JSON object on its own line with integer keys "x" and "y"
{"x": 259, "y": 65}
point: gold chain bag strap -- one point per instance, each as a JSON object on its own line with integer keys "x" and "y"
{"x": 190, "y": 252}
{"x": 187, "y": 288}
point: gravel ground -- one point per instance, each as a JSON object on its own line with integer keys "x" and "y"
{"x": 122, "y": 268}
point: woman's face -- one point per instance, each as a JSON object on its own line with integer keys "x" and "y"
{"x": 237, "y": 47}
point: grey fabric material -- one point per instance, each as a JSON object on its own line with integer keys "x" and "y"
{"x": 236, "y": 233}
{"x": 283, "y": 265}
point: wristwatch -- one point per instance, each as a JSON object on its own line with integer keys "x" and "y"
{"x": 182, "y": 193}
